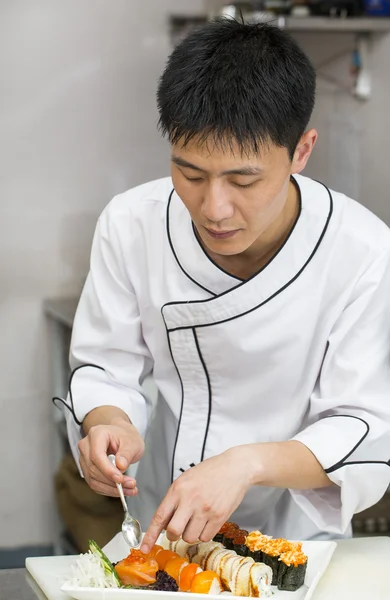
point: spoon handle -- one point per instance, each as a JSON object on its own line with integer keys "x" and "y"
{"x": 119, "y": 485}
{"x": 122, "y": 497}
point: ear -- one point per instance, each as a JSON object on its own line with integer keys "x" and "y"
{"x": 303, "y": 150}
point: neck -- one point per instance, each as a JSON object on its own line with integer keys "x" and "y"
{"x": 246, "y": 264}
{"x": 273, "y": 237}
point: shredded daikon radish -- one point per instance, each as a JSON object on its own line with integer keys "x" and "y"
{"x": 89, "y": 571}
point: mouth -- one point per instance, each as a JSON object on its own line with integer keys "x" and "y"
{"x": 221, "y": 235}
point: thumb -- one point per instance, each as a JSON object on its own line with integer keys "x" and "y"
{"x": 122, "y": 459}
{"x": 128, "y": 452}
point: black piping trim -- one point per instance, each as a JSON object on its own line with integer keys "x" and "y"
{"x": 209, "y": 393}
{"x": 342, "y": 462}
{"x": 63, "y": 402}
{"x": 196, "y": 234}
{"x": 175, "y": 255}
{"x": 228, "y": 291}
{"x": 182, "y": 403}
{"x": 244, "y": 282}
{"x": 363, "y": 462}
{"x": 292, "y": 178}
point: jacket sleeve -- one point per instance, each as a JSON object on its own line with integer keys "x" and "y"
{"x": 349, "y": 419}
{"x": 108, "y": 354}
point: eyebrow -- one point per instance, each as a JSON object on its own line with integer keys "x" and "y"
{"x": 247, "y": 170}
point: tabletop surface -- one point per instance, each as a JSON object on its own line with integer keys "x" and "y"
{"x": 16, "y": 584}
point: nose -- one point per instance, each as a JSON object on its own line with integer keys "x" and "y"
{"x": 217, "y": 205}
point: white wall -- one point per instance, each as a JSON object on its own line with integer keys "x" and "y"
{"x": 77, "y": 125}
{"x": 352, "y": 154}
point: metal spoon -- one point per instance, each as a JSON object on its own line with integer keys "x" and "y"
{"x": 131, "y": 529}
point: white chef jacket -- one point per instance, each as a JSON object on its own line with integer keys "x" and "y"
{"x": 299, "y": 351}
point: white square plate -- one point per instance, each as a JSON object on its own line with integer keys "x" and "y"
{"x": 319, "y": 555}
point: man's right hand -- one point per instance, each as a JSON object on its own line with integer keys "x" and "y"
{"x": 108, "y": 430}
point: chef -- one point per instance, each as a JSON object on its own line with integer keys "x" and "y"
{"x": 258, "y": 300}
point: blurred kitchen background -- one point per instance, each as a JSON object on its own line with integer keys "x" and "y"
{"x": 77, "y": 126}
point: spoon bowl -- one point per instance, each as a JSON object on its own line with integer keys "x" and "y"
{"x": 131, "y": 531}
{"x": 131, "y": 528}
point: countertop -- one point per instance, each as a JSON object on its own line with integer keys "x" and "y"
{"x": 16, "y": 584}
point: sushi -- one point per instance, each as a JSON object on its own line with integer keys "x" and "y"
{"x": 239, "y": 542}
{"x": 271, "y": 551}
{"x": 286, "y": 559}
{"x": 283, "y": 563}
{"x": 239, "y": 575}
{"x": 292, "y": 569}
{"x": 228, "y": 538}
{"x": 226, "y": 527}
{"x": 255, "y": 542}
{"x": 228, "y": 534}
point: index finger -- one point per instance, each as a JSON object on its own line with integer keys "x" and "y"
{"x": 159, "y": 522}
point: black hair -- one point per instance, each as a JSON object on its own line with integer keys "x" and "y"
{"x": 231, "y": 81}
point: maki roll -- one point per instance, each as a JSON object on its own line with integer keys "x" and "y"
{"x": 292, "y": 570}
{"x": 239, "y": 545}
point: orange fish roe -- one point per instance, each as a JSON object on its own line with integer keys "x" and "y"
{"x": 239, "y": 536}
{"x": 256, "y": 540}
{"x": 293, "y": 557}
{"x": 228, "y": 526}
{"x": 276, "y": 547}
{"x": 296, "y": 545}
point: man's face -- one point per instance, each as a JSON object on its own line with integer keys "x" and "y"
{"x": 233, "y": 198}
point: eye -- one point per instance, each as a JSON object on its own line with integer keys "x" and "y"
{"x": 248, "y": 185}
{"x": 193, "y": 178}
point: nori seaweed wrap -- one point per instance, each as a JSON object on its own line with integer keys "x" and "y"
{"x": 228, "y": 538}
{"x": 257, "y": 555}
{"x": 272, "y": 549}
{"x": 226, "y": 527}
{"x": 239, "y": 545}
{"x": 292, "y": 570}
{"x": 291, "y": 578}
{"x": 274, "y": 563}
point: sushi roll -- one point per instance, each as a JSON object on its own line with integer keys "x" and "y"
{"x": 260, "y": 576}
{"x": 292, "y": 570}
{"x": 239, "y": 544}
